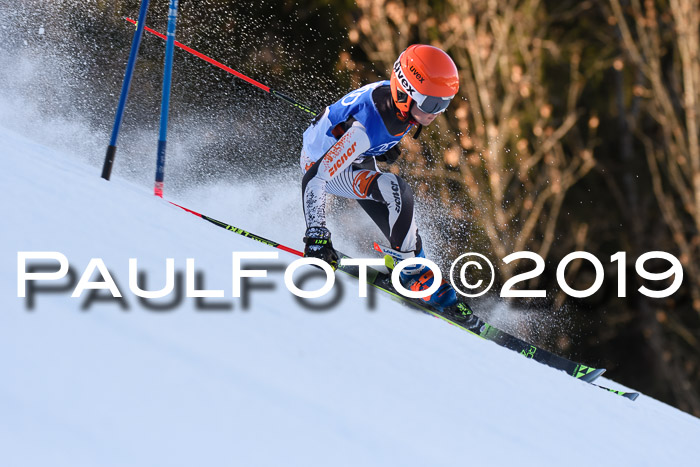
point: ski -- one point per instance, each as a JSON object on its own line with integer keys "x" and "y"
{"x": 627, "y": 395}
{"x": 460, "y": 315}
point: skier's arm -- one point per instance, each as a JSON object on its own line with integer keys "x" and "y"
{"x": 348, "y": 148}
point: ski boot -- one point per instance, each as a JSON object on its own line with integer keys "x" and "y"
{"x": 419, "y": 277}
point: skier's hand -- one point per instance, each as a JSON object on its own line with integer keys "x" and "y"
{"x": 390, "y": 156}
{"x": 318, "y": 245}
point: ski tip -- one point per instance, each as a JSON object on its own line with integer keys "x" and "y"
{"x": 627, "y": 395}
{"x": 377, "y": 247}
{"x": 587, "y": 373}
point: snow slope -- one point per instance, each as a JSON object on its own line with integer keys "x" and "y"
{"x": 276, "y": 384}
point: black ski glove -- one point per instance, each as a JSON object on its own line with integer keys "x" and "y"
{"x": 390, "y": 156}
{"x": 318, "y": 245}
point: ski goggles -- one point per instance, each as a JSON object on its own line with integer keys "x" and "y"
{"x": 431, "y": 104}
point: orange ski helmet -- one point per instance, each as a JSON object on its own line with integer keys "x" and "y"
{"x": 426, "y": 75}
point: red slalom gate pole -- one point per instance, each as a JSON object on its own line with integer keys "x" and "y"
{"x": 210, "y": 60}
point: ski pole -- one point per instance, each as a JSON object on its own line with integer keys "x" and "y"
{"x": 242, "y": 232}
{"x": 237, "y": 74}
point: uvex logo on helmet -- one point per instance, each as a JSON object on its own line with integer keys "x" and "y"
{"x": 416, "y": 73}
{"x": 402, "y": 78}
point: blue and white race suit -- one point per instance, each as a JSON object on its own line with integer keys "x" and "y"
{"x": 338, "y": 157}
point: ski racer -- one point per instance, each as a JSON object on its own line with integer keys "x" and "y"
{"x": 342, "y": 145}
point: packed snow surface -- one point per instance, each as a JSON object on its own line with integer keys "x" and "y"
{"x": 102, "y": 382}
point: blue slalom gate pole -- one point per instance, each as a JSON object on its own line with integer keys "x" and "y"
{"x": 165, "y": 100}
{"x": 135, "y": 43}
